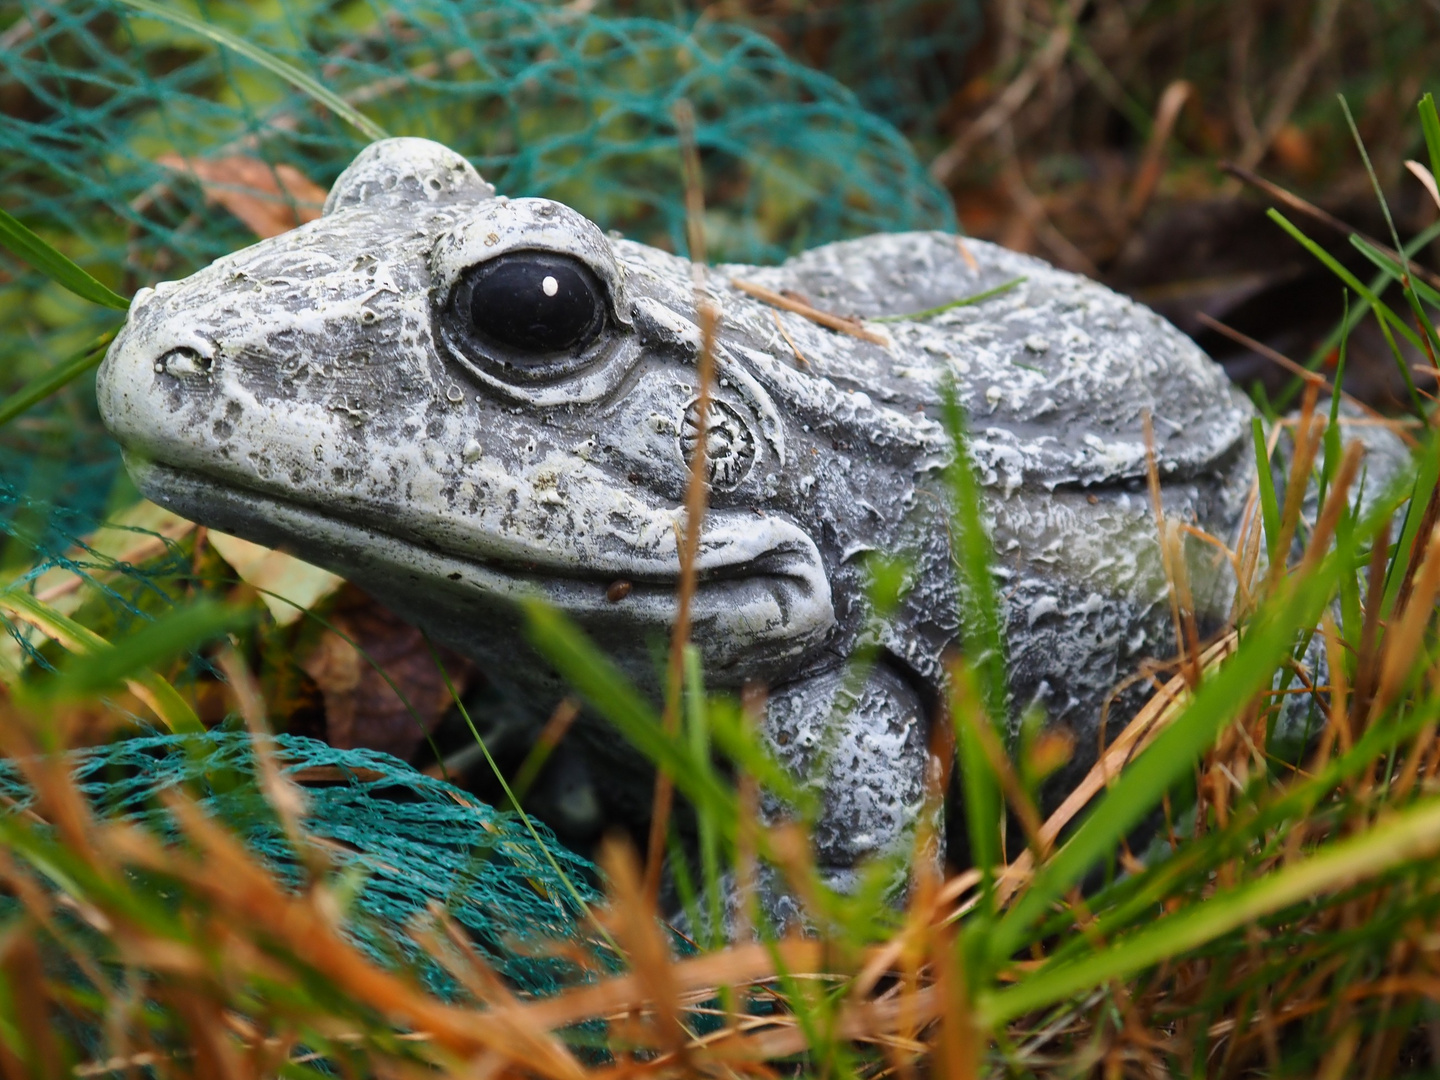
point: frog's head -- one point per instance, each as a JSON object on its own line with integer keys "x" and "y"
{"x": 456, "y": 400}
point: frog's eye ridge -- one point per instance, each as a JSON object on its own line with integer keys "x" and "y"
{"x": 533, "y": 303}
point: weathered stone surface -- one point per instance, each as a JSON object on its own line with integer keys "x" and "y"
{"x": 329, "y": 390}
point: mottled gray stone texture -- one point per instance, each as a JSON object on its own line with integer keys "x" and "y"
{"x": 346, "y": 391}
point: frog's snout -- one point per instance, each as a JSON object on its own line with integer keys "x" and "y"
{"x": 157, "y": 356}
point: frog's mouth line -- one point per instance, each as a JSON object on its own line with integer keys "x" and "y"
{"x": 780, "y": 593}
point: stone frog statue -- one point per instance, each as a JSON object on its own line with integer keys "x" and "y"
{"x": 456, "y": 399}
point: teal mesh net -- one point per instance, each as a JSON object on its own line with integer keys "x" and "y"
{"x": 544, "y": 98}
{"x": 415, "y": 840}
{"x": 574, "y": 101}
{"x": 904, "y": 59}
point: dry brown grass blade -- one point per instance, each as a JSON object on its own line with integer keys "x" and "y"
{"x": 1176, "y": 96}
{"x": 1336, "y": 503}
{"x": 828, "y": 319}
{"x": 1322, "y": 217}
{"x": 1172, "y": 559}
{"x": 1427, "y": 178}
{"x": 779, "y": 325}
{"x": 1046, "y": 60}
{"x": 555, "y": 729}
{"x": 57, "y": 801}
{"x": 283, "y": 795}
{"x": 747, "y": 826}
{"x": 697, "y": 492}
{"x": 958, "y": 1044}
{"x": 1153, "y": 718}
{"x": 23, "y": 971}
{"x": 737, "y": 965}
{"x": 782, "y": 1037}
{"x": 1306, "y": 440}
{"x": 1428, "y": 521}
{"x": 1337, "y": 730}
{"x": 241, "y": 893}
{"x": 1368, "y": 657}
{"x": 1404, "y": 642}
{"x": 635, "y": 923}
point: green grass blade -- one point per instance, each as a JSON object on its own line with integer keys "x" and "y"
{"x": 981, "y": 619}
{"x": 1173, "y": 754}
{"x": 590, "y": 672}
{"x": 703, "y": 933}
{"x": 519, "y": 811}
{"x": 106, "y": 668}
{"x": 1269, "y": 504}
{"x": 1370, "y": 172}
{"x": 1333, "y": 449}
{"x": 1357, "y": 315}
{"x": 707, "y": 829}
{"x": 986, "y": 700}
{"x": 1426, "y": 477}
{"x": 28, "y": 247}
{"x": 1298, "y": 803}
{"x": 1384, "y": 315}
{"x": 61, "y": 375}
{"x": 1416, "y": 291}
{"x": 964, "y": 301}
{"x": 1408, "y": 281}
{"x": 1430, "y": 124}
{"x": 1382, "y": 310}
{"x": 305, "y": 83}
{"x": 1407, "y": 837}
{"x": 1394, "y": 269}
{"x": 171, "y": 708}
{"x": 1414, "y": 288}
{"x": 979, "y": 786}
{"x": 738, "y": 740}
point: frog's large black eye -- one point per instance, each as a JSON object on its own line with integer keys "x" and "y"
{"x": 533, "y": 302}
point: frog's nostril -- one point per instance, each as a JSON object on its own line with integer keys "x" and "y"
{"x": 184, "y": 363}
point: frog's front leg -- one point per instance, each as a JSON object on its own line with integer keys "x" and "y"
{"x": 863, "y": 747}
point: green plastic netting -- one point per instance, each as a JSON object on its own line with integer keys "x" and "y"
{"x": 573, "y": 101}
{"x": 415, "y": 841}
{"x": 546, "y": 99}
{"x": 905, "y": 59}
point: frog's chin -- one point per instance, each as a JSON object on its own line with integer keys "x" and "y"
{"x": 757, "y": 606}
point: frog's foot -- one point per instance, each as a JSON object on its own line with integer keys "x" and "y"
{"x": 860, "y": 743}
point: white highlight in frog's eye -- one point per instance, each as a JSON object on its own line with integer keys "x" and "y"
{"x": 535, "y": 303}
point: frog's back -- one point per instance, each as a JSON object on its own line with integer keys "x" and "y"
{"x": 1057, "y": 375}
{"x": 1056, "y": 371}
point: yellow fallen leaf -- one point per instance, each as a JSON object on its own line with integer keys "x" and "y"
{"x": 287, "y": 586}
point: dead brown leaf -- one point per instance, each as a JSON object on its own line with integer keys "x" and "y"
{"x": 269, "y": 199}
{"x": 362, "y": 708}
